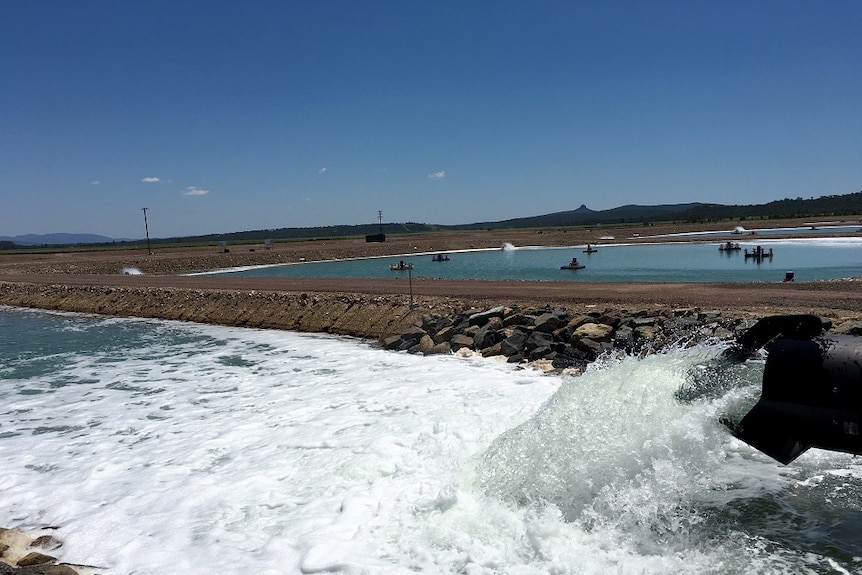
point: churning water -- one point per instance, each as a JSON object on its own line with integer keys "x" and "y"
{"x": 163, "y": 447}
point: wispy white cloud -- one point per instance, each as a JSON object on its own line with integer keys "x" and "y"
{"x": 437, "y": 175}
{"x": 151, "y": 180}
{"x": 195, "y": 191}
{"x": 322, "y": 170}
{"x": 95, "y": 182}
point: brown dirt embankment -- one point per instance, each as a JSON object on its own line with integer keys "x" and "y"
{"x": 354, "y": 314}
{"x": 376, "y": 309}
{"x": 93, "y": 282}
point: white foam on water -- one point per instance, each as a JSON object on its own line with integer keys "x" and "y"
{"x": 259, "y": 450}
{"x": 231, "y": 450}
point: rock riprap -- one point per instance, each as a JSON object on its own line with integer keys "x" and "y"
{"x": 24, "y": 553}
{"x": 556, "y": 339}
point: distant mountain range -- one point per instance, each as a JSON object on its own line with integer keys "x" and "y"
{"x": 585, "y": 216}
{"x": 842, "y": 205}
{"x": 56, "y": 239}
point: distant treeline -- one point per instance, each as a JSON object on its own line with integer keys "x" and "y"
{"x": 843, "y": 205}
{"x": 846, "y": 205}
{"x": 825, "y": 206}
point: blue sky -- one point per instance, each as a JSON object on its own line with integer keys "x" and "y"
{"x": 232, "y": 116}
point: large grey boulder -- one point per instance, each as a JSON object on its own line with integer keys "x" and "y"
{"x": 594, "y": 331}
{"x": 643, "y": 321}
{"x": 538, "y": 339}
{"x": 484, "y": 317}
{"x": 445, "y": 334}
{"x": 492, "y": 350}
{"x": 539, "y": 352}
{"x": 551, "y": 321}
{"x": 440, "y": 349}
{"x": 590, "y": 347}
{"x": 579, "y": 320}
{"x": 406, "y": 340}
{"x": 514, "y": 344}
{"x": 460, "y": 341}
{"x": 487, "y": 336}
{"x": 519, "y": 319}
{"x": 392, "y": 342}
{"x": 434, "y": 323}
{"x": 425, "y": 344}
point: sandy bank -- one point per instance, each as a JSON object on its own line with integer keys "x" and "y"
{"x": 374, "y": 309}
{"x": 93, "y": 282}
{"x": 360, "y": 315}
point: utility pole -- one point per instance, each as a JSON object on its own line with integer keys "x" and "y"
{"x": 410, "y": 280}
{"x": 380, "y": 219}
{"x": 147, "y": 229}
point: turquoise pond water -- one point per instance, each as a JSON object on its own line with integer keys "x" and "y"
{"x": 807, "y": 259}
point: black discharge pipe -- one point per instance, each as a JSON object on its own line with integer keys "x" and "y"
{"x": 812, "y": 388}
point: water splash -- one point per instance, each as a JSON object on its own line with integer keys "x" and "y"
{"x": 607, "y": 431}
{"x": 129, "y": 271}
{"x": 634, "y": 453}
{"x": 507, "y": 247}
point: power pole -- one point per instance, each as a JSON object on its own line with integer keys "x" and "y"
{"x": 380, "y": 219}
{"x": 147, "y": 229}
{"x": 410, "y": 280}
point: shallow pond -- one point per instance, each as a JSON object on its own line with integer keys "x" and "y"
{"x": 807, "y": 259}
